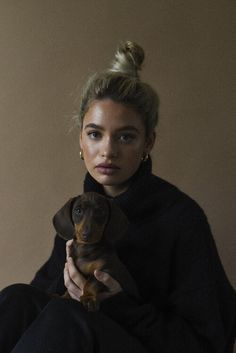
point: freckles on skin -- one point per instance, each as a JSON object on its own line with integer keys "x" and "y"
{"x": 113, "y": 140}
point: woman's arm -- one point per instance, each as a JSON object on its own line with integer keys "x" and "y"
{"x": 50, "y": 276}
{"x": 199, "y": 313}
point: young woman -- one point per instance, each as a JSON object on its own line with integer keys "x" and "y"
{"x": 186, "y": 302}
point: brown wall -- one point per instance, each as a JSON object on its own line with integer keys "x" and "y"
{"x": 47, "y": 50}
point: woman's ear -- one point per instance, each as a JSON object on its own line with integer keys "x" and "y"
{"x": 150, "y": 141}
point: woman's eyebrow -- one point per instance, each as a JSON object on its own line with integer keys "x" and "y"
{"x": 93, "y": 126}
{"x": 129, "y": 128}
{"x": 123, "y": 128}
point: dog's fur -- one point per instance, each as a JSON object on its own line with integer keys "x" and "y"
{"x": 96, "y": 224}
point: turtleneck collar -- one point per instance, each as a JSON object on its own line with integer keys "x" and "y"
{"x": 131, "y": 196}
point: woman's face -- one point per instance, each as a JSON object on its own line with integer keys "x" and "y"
{"x": 113, "y": 141}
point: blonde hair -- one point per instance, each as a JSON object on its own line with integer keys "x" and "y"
{"x": 122, "y": 84}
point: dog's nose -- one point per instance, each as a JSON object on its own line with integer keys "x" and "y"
{"x": 86, "y": 233}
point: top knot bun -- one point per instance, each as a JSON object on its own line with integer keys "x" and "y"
{"x": 128, "y": 59}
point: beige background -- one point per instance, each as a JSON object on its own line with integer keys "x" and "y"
{"x": 48, "y": 48}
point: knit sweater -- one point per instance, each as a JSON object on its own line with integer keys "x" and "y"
{"x": 187, "y": 304}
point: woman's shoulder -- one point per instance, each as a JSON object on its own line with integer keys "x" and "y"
{"x": 177, "y": 215}
{"x": 173, "y": 198}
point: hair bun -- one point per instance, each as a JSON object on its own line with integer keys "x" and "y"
{"x": 128, "y": 59}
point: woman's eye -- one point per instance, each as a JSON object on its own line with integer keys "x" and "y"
{"x": 126, "y": 138}
{"x": 94, "y": 134}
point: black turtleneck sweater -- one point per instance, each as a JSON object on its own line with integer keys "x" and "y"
{"x": 187, "y": 305}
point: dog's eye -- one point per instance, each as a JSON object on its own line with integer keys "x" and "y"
{"x": 78, "y": 211}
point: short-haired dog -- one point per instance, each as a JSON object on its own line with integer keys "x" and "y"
{"x": 96, "y": 224}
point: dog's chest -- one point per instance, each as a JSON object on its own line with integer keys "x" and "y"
{"x": 87, "y": 258}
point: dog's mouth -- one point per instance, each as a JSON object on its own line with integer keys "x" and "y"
{"x": 87, "y": 235}
{"x": 84, "y": 242}
{"x": 85, "y": 238}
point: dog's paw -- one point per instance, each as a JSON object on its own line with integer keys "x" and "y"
{"x": 90, "y": 303}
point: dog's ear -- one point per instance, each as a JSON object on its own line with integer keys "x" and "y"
{"x": 62, "y": 221}
{"x": 117, "y": 224}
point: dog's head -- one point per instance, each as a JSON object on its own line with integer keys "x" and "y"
{"x": 90, "y": 215}
{"x": 89, "y": 218}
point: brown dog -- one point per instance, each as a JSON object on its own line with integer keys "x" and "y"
{"x": 96, "y": 224}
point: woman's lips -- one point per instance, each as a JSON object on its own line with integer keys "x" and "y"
{"x": 107, "y": 169}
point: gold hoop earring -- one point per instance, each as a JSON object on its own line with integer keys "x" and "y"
{"x": 145, "y": 158}
{"x": 81, "y": 155}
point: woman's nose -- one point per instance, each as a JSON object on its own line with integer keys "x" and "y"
{"x": 109, "y": 149}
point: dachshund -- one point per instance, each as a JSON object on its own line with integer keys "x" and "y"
{"x": 96, "y": 224}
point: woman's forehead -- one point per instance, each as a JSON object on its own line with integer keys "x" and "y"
{"x": 107, "y": 113}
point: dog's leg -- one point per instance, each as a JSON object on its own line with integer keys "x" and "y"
{"x": 92, "y": 288}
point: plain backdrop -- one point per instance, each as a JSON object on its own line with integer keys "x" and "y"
{"x": 47, "y": 50}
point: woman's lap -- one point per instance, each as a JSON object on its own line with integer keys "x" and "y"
{"x": 57, "y": 325}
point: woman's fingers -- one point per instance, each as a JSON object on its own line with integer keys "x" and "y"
{"x": 74, "y": 274}
{"x": 74, "y": 291}
{"x": 112, "y": 285}
{"x": 73, "y": 279}
{"x": 68, "y": 248}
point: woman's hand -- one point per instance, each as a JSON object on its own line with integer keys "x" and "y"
{"x": 74, "y": 280}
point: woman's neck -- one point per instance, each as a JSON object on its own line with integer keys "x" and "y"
{"x": 115, "y": 190}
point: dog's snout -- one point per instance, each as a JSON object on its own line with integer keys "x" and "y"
{"x": 85, "y": 233}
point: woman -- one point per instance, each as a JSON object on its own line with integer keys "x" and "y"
{"x": 187, "y": 304}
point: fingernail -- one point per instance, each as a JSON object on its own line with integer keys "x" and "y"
{"x": 98, "y": 274}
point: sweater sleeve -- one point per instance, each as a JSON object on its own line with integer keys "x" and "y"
{"x": 200, "y": 309}
{"x": 50, "y": 276}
